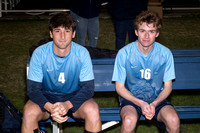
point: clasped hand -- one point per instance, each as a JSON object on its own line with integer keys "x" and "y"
{"x": 59, "y": 111}
{"x": 148, "y": 110}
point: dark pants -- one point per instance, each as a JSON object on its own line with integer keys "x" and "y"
{"x": 121, "y": 29}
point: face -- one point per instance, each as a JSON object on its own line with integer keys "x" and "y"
{"x": 62, "y": 37}
{"x": 147, "y": 34}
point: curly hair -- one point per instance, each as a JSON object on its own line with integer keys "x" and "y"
{"x": 62, "y": 19}
{"x": 148, "y": 17}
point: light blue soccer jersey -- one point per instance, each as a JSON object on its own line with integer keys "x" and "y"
{"x": 143, "y": 75}
{"x": 60, "y": 75}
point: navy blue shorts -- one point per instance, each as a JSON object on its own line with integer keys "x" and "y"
{"x": 125, "y": 102}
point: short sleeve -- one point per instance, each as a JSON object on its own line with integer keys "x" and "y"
{"x": 119, "y": 73}
{"x": 35, "y": 68}
{"x": 169, "y": 70}
{"x": 86, "y": 73}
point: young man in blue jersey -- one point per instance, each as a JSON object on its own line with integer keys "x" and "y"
{"x": 140, "y": 70}
{"x": 61, "y": 80}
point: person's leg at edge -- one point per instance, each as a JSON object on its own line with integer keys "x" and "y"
{"x": 31, "y": 116}
{"x": 93, "y": 31}
{"x": 129, "y": 117}
{"x": 131, "y": 34}
{"x": 169, "y": 117}
{"x": 81, "y": 28}
{"x": 89, "y": 111}
{"x": 120, "y": 34}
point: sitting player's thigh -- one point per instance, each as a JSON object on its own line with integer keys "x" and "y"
{"x": 33, "y": 111}
{"x": 88, "y": 108}
{"x": 167, "y": 114}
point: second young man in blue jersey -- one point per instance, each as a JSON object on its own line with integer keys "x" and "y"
{"x": 61, "y": 80}
{"x": 140, "y": 69}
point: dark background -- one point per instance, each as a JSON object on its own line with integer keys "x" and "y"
{"x": 57, "y": 4}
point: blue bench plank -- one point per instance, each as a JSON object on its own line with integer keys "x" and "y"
{"x": 187, "y": 71}
{"x": 113, "y": 114}
{"x": 188, "y": 112}
{"x": 103, "y": 78}
{"x": 186, "y": 52}
{"x": 184, "y": 112}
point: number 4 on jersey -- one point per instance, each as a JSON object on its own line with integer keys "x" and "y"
{"x": 61, "y": 77}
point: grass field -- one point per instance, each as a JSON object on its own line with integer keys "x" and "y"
{"x": 17, "y": 35}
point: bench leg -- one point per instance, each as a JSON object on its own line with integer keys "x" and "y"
{"x": 57, "y": 128}
{"x": 109, "y": 124}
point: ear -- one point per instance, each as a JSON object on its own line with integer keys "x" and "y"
{"x": 136, "y": 32}
{"x": 73, "y": 34}
{"x": 51, "y": 34}
{"x": 157, "y": 34}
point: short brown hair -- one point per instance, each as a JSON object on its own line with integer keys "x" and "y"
{"x": 62, "y": 19}
{"x": 148, "y": 17}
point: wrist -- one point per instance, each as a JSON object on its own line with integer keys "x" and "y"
{"x": 153, "y": 104}
{"x": 141, "y": 103}
{"x": 48, "y": 106}
{"x": 69, "y": 104}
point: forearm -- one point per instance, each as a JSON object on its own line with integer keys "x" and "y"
{"x": 48, "y": 107}
{"x": 164, "y": 94}
{"x": 69, "y": 105}
{"x": 145, "y": 107}
{"x": 123, "y": 92}
{"x": 35, "y": 94}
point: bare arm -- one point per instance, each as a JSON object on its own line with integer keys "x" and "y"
{"x": 147, "y": 110}
{"x": 164, "y": 94}
{"x": 122, "y": 91}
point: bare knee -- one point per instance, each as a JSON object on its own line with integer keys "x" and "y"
{"x": 32, "y": 113}
{"x": 173, "y": 124}
{"x": 88, "y": 111}
{"x": 169, "y": 116}
{"x": 92, "y": 111}
{"x": 129, "y": 123}
{"x": 129, "y": 119}
{"x": 31, "y": 116}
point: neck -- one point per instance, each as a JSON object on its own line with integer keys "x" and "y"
{"x": 144, "y": 50}
{"x": 61, "y": 52}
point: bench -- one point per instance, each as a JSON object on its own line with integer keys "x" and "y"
{"x": 187, "y": 69}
